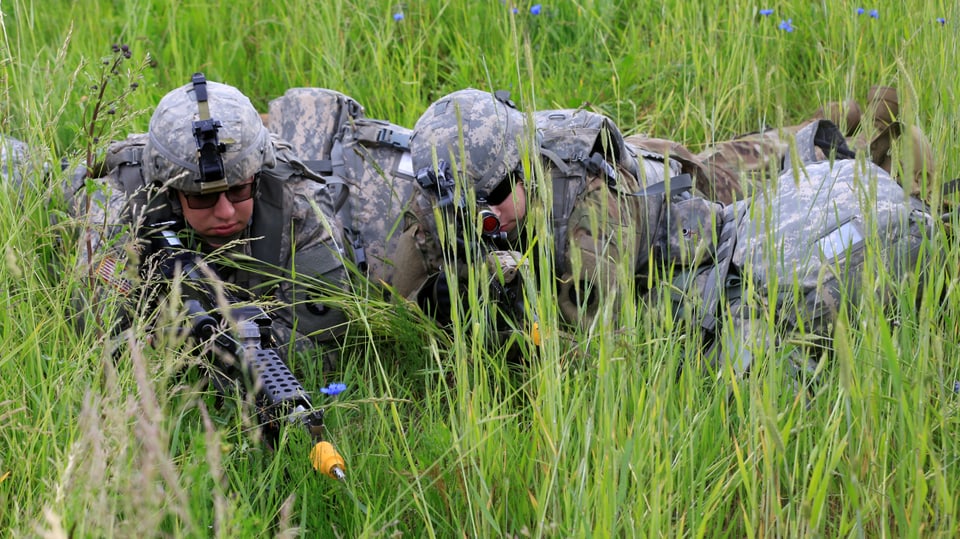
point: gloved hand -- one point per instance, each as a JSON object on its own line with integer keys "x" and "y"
{"x": 434, "y": 298}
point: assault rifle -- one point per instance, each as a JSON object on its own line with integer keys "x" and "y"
{"x": 239, "y": 340}
{"x": 478, "y": 235}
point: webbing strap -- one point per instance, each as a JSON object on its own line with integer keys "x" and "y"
{"x": 716, "y": 280}
{"x": 678, "y": 184}
{"x": 950, "y": 186}
{"x": 323, "y": 167}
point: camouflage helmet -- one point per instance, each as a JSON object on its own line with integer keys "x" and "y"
{"x": 492, "y": 129}
{"x": 171, "y": 154}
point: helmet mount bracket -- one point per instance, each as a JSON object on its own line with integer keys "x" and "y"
{"x": 209, "y": 147}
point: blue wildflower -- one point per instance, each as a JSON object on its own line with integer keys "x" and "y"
{"x": 535, "y": 9}
{"x": 398, "y": 16}
{"x": 956, "y": 386}
{"x": 874, "y": 14}
{"x": 766, "y": 12}
{"x": 941, "y": 20}
{"x": 786, "y": 26}
{"x": 334, "y": 389}
{"x": 860, "y": 11}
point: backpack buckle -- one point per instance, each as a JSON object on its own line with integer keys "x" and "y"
{"x": 389, "y": 137}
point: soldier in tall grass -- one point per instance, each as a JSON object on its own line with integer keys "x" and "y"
{"x": 620, "y": 212}
{"x": 209, "y": 170}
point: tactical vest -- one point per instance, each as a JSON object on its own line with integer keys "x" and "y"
{"x": 146, "y": 205}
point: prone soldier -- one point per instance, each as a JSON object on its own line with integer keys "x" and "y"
{"x": 621, "y": 208}
{"x": 209, "y": 170}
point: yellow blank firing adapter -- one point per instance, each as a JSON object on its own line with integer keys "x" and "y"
{"x": 327, "y": 461}
{"x": 535, "y": 333}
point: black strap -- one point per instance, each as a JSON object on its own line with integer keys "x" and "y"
{"x": 951, "y": 186}
{"x": 389, "y": 137}
{"x": 716, "y": 283}
{"x": 323, "y": 167}
{"x": 678, "y": 184}
{"x": 829, "y": 139}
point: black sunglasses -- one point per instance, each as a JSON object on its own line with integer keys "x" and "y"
{"x": 235, "y": 194}
{"x": 503, "y": 189}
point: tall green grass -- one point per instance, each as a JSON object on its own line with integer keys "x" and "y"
{"x": 596, "y": 434}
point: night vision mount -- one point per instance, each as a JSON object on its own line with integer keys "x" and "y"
{"x": 440, "y": 183}
{"x": 209, "y": 147}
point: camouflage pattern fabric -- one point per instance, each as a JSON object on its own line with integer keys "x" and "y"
{"x": 603, "y": 241}
{"x": 819, "y": 221}
{"x": 310, "y": 119}
{"x": 803, "y": 245}
{"x": 370, "y": 158}
{"x": 745, "y": 165}
{"x": 712, "y": 180}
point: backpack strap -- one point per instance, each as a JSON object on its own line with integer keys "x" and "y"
{"x": 380, "y": 134}
{"x": 369, "y": 133}
{"x": 717, "y": 281}
{"x": 678, "y": 184}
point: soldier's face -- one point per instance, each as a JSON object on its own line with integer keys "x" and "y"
{"x": 222, "y": 220}
{"x": 512, "y": 210}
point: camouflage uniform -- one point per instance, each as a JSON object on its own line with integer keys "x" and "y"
{"x": 605, "y": 227}
{"x": 739, "y": 168}
{"x": 805, "y": 229}
{"x": 289, "y": 252}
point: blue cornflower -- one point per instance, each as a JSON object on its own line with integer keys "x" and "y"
{"x": 514, "y": 10}
{"x": 874, "y": 14}
{"x": 941, "y": 20}
{"x": 398, "y": 16}
{"x": 786, "y": 26}
{"x": 535, "y": 9}
{"x": 766, "y": 12}
{"x": 860, "y": 11}
{"x": 334, "y": 389}
{"x": 956, "y": 386}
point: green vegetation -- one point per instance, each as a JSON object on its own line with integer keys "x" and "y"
{"x": 596, "y": 435}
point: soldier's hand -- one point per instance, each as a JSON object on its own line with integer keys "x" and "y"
{"x": 434, "y": 298}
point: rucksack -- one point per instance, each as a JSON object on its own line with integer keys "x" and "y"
{"x": 578, "y": 146}
{"x": 801, "y": 245}
{"x": 369, "y": 158}
{"x": 813, "y": 233}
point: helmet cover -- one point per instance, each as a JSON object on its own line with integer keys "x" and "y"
{"x": 171, "y": 154}
{"x": 492, "y": 130}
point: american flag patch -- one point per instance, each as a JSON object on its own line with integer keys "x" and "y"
{"x": 107, "y": 270}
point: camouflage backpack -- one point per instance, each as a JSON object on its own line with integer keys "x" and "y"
{"x": 371, "y": 158}
{"x": 802, "y": 243}
{"x": 813, "y": 235}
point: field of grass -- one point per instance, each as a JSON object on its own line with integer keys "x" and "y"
{"x": 594, "y": 436}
